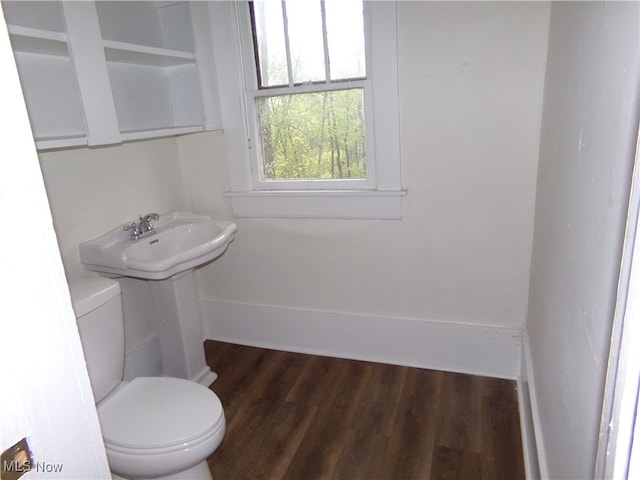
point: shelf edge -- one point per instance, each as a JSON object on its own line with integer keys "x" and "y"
{"x": 160, "y": 132}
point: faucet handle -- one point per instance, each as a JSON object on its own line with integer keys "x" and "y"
{"x": 135, "y": 230}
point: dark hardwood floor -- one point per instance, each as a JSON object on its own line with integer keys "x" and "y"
{"x": 304, "y": 417}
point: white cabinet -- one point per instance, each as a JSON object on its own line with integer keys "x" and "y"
{"x": 103, "y": 72}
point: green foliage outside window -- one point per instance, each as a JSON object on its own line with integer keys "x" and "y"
{"x": 313, "y": 135}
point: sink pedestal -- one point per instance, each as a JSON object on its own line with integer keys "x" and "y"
{"x": 175, "y": 307}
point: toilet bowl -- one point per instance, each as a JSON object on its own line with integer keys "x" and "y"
{"x": 152, "y": 427}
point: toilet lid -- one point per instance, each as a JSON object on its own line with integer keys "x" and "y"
{"x": 155, "y": 412}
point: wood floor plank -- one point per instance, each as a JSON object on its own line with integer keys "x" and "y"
{"x": 238, "y": 373}
{"x": 362, "y": 454}
{"x": 459, "y": 425}
{"x": 267, "y": 385}
{"x": 383, "y": 398}
{"x": 295, "y": 416}
{"x": 324, "y": 442}
{"x": 412, "y": 441}
{"x": 310, "y": 388}
{"x": 283, "y": 440}
{"x": 502, "y": 443}
{"x": 270, "y": 448}
{"x": 454, "y": 464}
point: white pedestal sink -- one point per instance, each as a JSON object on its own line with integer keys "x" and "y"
{"x": 166, "y": 259}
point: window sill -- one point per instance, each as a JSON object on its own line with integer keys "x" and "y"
{"x": 346, "y": 204}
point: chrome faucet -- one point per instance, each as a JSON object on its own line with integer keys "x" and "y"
{"x": 145, "y": 223}
{"x": 144, "y": 228}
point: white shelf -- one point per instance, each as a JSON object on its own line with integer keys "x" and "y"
{"x": 160, "y": 132}
{"x": 34, "y": 40}
{"x": 50, "y": 143}
{"x": 123, "y": 52}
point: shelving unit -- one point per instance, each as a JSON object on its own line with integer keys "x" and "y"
{"x": 97, "y": 73}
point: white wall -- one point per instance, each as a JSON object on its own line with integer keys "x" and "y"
{"x": 92, "y": 190}
{"x": 470, "y": 94}
{"x": 589, "y": 129}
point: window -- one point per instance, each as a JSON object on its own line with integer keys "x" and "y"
{"x": 308, "y": 92}
{"x": 309, "y": 105}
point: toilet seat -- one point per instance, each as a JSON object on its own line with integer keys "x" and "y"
{"x": 144, "y": 415}
{"x": 146, "y": 435}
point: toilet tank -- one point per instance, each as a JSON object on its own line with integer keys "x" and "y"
{"x": 98, "y": 306}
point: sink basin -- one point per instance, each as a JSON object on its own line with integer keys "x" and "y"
{"x": 182, "y": 242}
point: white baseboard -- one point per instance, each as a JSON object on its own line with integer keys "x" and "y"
{"x": 532, "y": 442}
{"x": 479, "y": 350}
{"x": 529, "y": 448}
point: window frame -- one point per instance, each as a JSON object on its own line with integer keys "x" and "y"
{"x": 377, "y": 197}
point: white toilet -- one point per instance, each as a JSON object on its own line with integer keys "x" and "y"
{"x": 153, "y": 427}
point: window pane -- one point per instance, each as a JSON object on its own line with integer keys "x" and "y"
{"x": 345, "y": 36}
{"x": 305, "y": 40}
{"x": 269, "y": 30}
{"x": 317, "y": 135}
